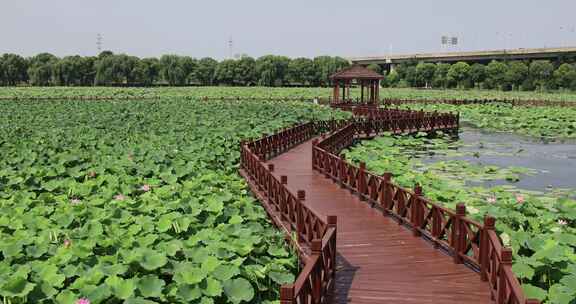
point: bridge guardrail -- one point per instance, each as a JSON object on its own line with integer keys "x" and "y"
{"x": 468, "y": 241}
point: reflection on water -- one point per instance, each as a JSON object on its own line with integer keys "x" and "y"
{"x": 554, "y": 163}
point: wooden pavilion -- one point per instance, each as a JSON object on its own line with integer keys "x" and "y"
{"x": 368, "y": 80}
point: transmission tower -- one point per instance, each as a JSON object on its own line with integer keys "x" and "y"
{"x": 230, "y": 48}
{"x": 99, "y": 42}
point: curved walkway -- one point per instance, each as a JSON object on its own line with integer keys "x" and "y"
{"x": 379, "y": 260}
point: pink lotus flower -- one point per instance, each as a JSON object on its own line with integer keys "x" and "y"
{"x": 67, "y": 243}
{"x": 145, "y": 188}
{"x": 75, "y": 201}
{"x": 119, "y": 197}
{"x": 491, "y": 200}
{"x": 83, "y": 301}
{"x": 520, "y": 198}
{"x": 562, "y": 222}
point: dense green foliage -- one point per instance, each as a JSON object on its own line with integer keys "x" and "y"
{"x": 514, "y": 75}
{"x": 120, "y": 69}
{"x": 266, "y": 92}
{"x": 539, "y": 227}
{"x": 137, "y": 202}
{"x": 545, "y": 122}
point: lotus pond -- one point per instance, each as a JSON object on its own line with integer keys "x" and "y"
{"x": 137, "y": 202}
{"x": 527, "y": 184}
{"x": 265, "y": 92}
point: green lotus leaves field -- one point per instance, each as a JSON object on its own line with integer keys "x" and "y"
{"x": 540, "y": 227}
{"x": 261, "y": 92}
{"x": 137, "y": 202}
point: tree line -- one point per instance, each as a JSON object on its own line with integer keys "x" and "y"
{"x": 511, "y": 75}
{"x": 119, "y": 69}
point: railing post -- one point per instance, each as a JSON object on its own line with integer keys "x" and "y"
{"x": 457, "y": 235}
{"x": 301, "y": 196}
{"x": 386, "y": 196}
{"x": 416, "y": 211}
{"x": 259, "y": 174}
{"x": 489, "y": 224}
{"x": 342, "y": 178}
{"x": 287, "y": 294}
{"x": 316, "y": 247}
{"x": 505, "y": 261}
{"x": 361, "y": 183}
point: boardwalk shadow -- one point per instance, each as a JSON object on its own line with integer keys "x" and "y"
{"x": 344, "y": 277}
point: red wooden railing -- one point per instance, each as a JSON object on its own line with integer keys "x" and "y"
{"x": 315, "y": 237}
{"x": 468, "y": 241}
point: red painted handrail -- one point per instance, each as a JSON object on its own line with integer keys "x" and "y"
{"x": 315, "y": 237}
{"x": 465, "y": 239}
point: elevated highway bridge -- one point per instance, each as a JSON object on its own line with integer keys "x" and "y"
{"x": 389, "y": 61}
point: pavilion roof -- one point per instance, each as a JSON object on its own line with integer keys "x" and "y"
{"x": 356, "y": 72}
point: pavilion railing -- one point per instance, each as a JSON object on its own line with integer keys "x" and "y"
{"x": 466, "y": 240}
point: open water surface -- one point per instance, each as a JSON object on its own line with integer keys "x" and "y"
{"x": 554, "y": 163}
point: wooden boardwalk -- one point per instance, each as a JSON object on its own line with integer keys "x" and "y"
{"x": 379, "y": 261}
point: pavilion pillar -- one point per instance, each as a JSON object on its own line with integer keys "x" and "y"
{"x": 377, "y": 90}
{"x": 336, "y": 91}
{"x": 362, "y": 91}
{"x": 371, "y": 91}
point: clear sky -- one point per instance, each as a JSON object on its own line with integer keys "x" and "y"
{"x": 293, "y": 28}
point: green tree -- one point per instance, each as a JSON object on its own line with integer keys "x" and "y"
{"x": 147, "y": 71}
{"x": 272, "y": 70}
{"x": 565, "y": 76}
{"x": 541, "y": 71}
{"x": 477, "y": 74}
{"x": 87, "y": 70}
{"x": 410, "y": 76}
{"x": 391, "y": 79}
{"x": 495, "y": 75}
{"x": 65, "y": 71}
{"x": 375, "y": 67}
{"x": 2, "y": 73}
{"x": 326, "y": 66}
{"x": 116, "y": 69}
{"x": 105, "y": 54}
{"x": 41, "y": 69}
{"x": 441, "y": 75}
{"x": 301, "y": 71}
{"x": 245, "y": 71}
{"x": 205, "y": 71}
{"x": 226, "y": 72}
{"x": 460, "y": 73}
{"x": 516, "y": 74}
{"x": 402, "y": 69}
{"x": 188, "y": 66}
{"x": 172, "y": 70}
{"x": 425, "y": 73}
